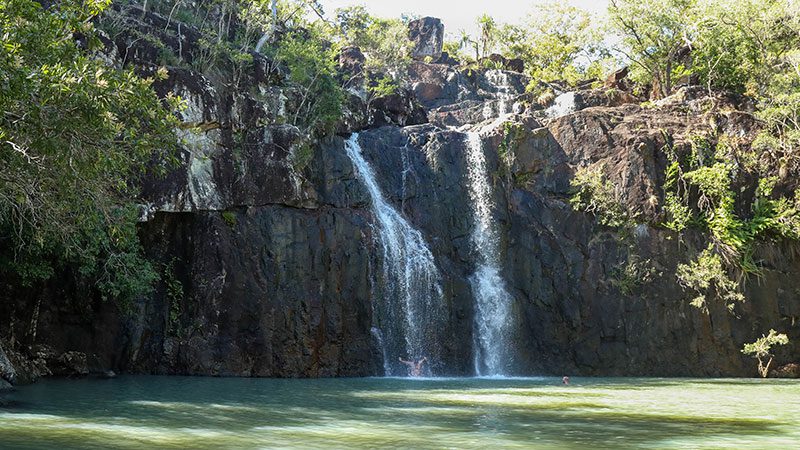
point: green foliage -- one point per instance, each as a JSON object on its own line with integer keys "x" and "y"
{"x": 634, "y": 273}
{"x": 742, "y": 45}
{"x": 595, "y": 194}
{"x": 215, "y": 54}
{"x": 313, "y": 70}
{"x": 708, "y": 171}
{"x": 653, "y": 33}
{"x": 557, "y": 42}
{"x": 707, "y": 174}
{"x": 384, "y": 43}
{"x": 678, "y": 213}
{"x": 455, "y": 50}
{"x": 513, "y": 134}
{"x": 74, "y": 135}
{"x": 230, "y": 218}
{"x": 762, "y": 347}
{"x": 301, "y": 156}
{"x": 488, "y": 36}
{"x": 381, "y": 87}
{"x": 175, "y": 293}
{"x": 707, "y": 275}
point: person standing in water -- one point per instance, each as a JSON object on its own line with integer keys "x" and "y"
{"x": 414, "y": 368}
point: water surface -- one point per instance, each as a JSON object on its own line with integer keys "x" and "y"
{"x": 182, "y": 412}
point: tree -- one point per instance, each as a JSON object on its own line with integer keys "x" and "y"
{"x": 654, "y": 34}
{"x": 741, "y": 45}
{"x": 384, "y": 42}
{"x": 312, "y": 70}
{"x": 304, "y": 47}
{"x": 557, "y": 41}
{"x": 75, "y": 134}
{"x": 760, "y": 350}
{"x": 487, "y": 36}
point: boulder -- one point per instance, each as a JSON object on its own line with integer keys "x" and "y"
{"x": 427, "y": 35}
{"x": 617, "y": 79}
{"x": 791, "y": 370}
{"x": 351, "y": 64}
{"x": 448, "y": 59}
{"x": 397, "y": 109}
{"x": 427, "y": 92}
{"x": 498, "y": 60}
{"x": 71, "y": 364}
{"x": 515, "y": 65}
{"x": 7, "y": 371}
{"x": 501, "y": 62}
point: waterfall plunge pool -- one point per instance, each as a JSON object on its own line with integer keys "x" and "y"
{"x": 192, "y": 412}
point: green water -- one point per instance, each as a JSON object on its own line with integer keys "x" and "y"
{"x": 178, "y": 412}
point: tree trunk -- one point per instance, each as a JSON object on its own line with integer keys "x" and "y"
{"x": 667, "y": 87}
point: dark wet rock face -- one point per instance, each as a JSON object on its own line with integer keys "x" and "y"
{"x": 269, "y": 251}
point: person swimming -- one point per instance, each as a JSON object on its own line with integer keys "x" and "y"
{"x": 565, "y": 380}
{"x": 414, "y": 367}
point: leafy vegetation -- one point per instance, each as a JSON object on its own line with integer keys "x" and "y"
{"x": 632, "y": 274}
{"x": 595, "y": 194}
{"x": 557, "y": 42}
{"x": 74, "y": 135}
{"x": 761, "y": 349}
{"x": 706, "y": 175}
{"x": 313, "y": 70}
{"x": 707, "y": 275}
{"x": 384, "y": 43}
{"x": 654, "y": 35}
{"x": 749, "y": 47}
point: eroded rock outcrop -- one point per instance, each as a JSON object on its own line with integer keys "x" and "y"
{"x": 427, "y": 37}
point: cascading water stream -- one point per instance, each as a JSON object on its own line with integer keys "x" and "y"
{"x": 493, "y": 319}
{"x": 409, "y": 307}
{"x": 504, "y": 95}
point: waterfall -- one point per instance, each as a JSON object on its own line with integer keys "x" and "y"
{"x": 493, "y": 320}
{"x": 409, "y": 308}
{"x": 564, "y": 104}
{"x": 504, "y": 94}
{"x": 378, "y": 336}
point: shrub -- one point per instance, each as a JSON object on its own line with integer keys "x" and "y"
{"x": 707, "y": 275}
{"x": 595, "y": 194}
{"x": 760, "y": 350}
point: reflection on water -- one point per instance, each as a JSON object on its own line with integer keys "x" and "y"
{"x": 178, "y": 412}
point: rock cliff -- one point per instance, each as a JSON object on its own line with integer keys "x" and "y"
{"x": 271, "y": 266}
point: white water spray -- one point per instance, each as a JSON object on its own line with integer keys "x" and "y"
{"x": 562, "y": 105}
{"x": 409, "y": 309}
{"x": 504, "y": 94}
{"x": 493, "y": 319}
